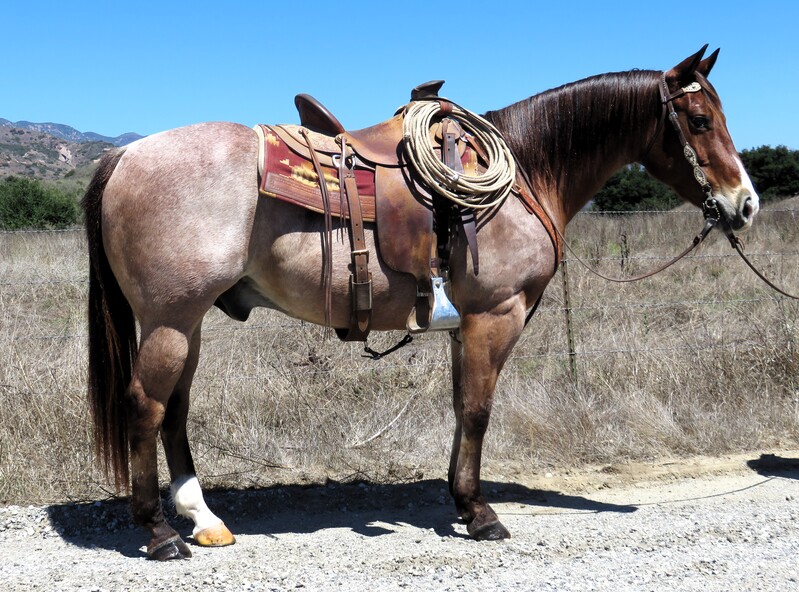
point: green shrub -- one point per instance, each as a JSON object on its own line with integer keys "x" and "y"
{"x": 29, "y": 204}
{"x": 774, "y": 171}
{"x": 632, "y": 188}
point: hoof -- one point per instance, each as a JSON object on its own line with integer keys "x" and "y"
{"x": 172, "y": 548}
{"x": 493, "y": 531}
{"x": 215, "y": 536}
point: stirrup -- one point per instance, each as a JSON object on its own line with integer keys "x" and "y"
{"x": 442, "y": 315}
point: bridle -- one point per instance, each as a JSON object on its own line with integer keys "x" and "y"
{"x": 689, "y": 153}
{"x": 710, "y": 206}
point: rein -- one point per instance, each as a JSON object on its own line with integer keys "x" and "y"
{"x": 710, "y": 222}
{"x": 712, "y": 217}
{"x": 738, "y": 245}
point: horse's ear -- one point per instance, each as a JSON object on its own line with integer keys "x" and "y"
{"x": 684, "y": 71}
{"x": 706, "y": 65}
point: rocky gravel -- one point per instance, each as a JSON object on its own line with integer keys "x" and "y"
{"x": 710, "y": 526}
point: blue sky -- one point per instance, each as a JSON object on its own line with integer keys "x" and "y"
{"x": 114, "y": 67}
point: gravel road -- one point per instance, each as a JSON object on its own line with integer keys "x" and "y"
{"x": 704, "y": 524}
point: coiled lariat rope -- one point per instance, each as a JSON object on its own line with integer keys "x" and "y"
{"x": 473, "y": 191}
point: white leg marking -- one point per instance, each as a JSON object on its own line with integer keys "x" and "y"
{"x": 189, "y": 502}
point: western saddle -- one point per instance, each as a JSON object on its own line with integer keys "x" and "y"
{"x": 362, "y": 177}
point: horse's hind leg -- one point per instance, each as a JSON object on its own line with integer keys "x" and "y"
{"x": 209, "y": 530}
{"x": 163, "y": 355}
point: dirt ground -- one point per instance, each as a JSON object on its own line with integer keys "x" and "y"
{"x": 710, "y": 524}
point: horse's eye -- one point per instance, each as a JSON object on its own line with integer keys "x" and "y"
{"x": 700, "y": 122}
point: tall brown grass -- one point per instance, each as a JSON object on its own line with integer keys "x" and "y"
{"x": 701, "y": 359}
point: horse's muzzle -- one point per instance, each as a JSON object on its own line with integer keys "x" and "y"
{"x": 740, "y": 218}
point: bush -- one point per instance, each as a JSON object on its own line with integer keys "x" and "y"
{"x": 28, "y": 204}
{"x": 774, "y": 171}
{"x": 632, "y": 188}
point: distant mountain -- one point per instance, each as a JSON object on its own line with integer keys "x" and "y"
{"x": 65, "y": 132}
{"x": 35, "y": 154}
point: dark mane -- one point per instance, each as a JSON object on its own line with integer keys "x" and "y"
{"x": 560, "y": 133}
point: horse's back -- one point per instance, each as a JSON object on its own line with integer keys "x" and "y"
{"x": 178, "y": 212}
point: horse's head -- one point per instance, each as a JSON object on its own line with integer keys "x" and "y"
{"x": 692, "y": 116}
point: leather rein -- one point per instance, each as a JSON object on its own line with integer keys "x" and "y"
{"x": 710, "y": 208}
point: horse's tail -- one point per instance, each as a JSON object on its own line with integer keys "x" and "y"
{"x": 112, "y": 338}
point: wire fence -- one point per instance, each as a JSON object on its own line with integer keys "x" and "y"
{"x": 555, "y": 310}
{"x": 700, "y": 359}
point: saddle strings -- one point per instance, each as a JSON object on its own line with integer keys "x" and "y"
{"x": 327, "y": 237}
{"x": 472, "y": 191}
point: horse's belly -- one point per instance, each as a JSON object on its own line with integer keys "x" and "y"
{"x": 238, "y": 301}
{"x": 301, "y": 294}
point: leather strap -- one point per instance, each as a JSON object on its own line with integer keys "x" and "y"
{"x": 688, "y": 151}
{"x": 327, "y": 236}
{"x": 450, "y": 134}
{"x": 360, "y": 279}
{"x": 524, "y": 189}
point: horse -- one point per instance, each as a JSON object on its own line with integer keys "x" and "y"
{"x": 175, "y": 223}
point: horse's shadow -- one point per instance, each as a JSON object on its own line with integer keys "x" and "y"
{"x": 771, "y": 465}
{"x": 363, "y": 507}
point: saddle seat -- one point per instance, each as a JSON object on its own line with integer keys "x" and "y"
{"x": 378, "y": 144}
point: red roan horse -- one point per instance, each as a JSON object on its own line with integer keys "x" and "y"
{"x": 175, "y": 220}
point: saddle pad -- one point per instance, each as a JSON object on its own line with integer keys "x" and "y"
{"x": 291, "y": 177}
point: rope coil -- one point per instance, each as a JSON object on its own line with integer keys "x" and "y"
{"x": 473, "y": 191}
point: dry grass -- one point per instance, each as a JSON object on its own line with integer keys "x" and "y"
{"x": 701, "y": 359}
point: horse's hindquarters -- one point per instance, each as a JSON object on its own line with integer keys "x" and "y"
{"x": 177, "y": 216}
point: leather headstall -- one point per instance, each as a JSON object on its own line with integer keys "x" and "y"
{"x": 688, "y": 152}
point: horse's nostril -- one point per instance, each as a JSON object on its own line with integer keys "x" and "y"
{"x": 748, "y": 210}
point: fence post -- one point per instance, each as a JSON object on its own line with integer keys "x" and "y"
{"x": 567, "y": 307}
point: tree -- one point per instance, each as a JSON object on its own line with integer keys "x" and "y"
{"x": 27, "y": 203}
{"x": 774, "y": 171}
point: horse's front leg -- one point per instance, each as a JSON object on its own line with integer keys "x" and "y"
{"x": 479, "y": 351}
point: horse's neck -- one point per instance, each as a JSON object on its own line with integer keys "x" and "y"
{"x": 571, "y": 196}
{"x": 572, "y": 139}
